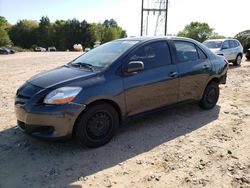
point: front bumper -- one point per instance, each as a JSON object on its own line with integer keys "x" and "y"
{"x": 48, "y": 121}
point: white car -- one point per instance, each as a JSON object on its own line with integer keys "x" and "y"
{"x": 230, "y": 48}
{"x": 40, "y": 49}
{"x": 87, "y": 50}
{"x": 52, "y": 49}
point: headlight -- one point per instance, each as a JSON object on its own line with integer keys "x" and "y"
{"x": 62, "y": 95}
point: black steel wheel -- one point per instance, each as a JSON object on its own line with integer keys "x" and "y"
{"x": 210, "y": 96}
{"x": 97, "y": 125}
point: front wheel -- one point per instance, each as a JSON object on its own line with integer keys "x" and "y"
{"x": 97, "y": 125}
{"x": 238, "y": 60}
{"x": 210, "y": 96}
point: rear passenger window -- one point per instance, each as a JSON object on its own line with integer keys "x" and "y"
{"x": 153, "y": 55}
{"x": 202, "y": 55}
{"x": 236, "y": 44}
{"x": 186, "y": 51}
{"x": 231, "y": 44}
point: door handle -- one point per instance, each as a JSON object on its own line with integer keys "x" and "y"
{"x": 173, "y": 74}
{"x": 206, "y": 67}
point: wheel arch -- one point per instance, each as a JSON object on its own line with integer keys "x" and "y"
{"x": 241, "y": 54}
{"x": 98, "y": 101}
{"x": 214, "y": 79}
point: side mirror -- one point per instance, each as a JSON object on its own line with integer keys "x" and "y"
{"x": 134, "y": 67}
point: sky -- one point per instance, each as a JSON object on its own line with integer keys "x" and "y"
{"x": 227, "y": 17}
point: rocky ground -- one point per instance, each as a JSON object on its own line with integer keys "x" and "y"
{"x": 181, "y": 147}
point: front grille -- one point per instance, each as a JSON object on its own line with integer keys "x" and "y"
{"x": 21, "y": 99}
{"x": 25, "y": 92}
{"x": 35, "y": 129}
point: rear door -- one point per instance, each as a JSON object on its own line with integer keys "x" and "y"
{"x": 233, "y": 48}
{"x": 193, "y": 67}
{"x": 226, "y": 50}
{"x": 157, "y": 85}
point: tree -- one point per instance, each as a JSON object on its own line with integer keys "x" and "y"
{"x": 59, "y": 35}
{"x": 44, "y": 32}
{"x": 244, "y": 38}
{"x": 112, "y": 31}
{"x": 110, "y": 23}
{"x": 4, "y": 36}
{"x": 216, "y": 36}
{"x": 62, "y": 34}
{"x": 4, "y": 23}
{"x": 196, "y": 30}
{"x": 23, "y": 33}
{"x": 4, "y": 39}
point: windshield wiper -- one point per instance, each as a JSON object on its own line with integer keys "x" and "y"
{"x": 83, "y": 65}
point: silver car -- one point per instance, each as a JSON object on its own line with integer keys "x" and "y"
{"x": 230, "y": 48}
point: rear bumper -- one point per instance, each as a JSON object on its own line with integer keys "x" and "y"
{"x": 48, "y": 121}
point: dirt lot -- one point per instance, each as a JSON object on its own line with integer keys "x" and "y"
{"x": 182, "y": 147}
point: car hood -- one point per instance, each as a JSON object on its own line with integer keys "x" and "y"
{"x": 59, "y": 75}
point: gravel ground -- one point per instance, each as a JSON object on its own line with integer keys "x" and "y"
{"x": 181, "y": 147}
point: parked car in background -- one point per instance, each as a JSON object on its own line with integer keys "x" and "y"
{"x": 5, "y": 51}
{"x": 231, "y": 49}
{"x": 248, "y": 54}
{"x": 40, "y": 49}
{"x": 12, "y": 51}
{"x": 51, "y": 49}
{"x": 87, "y": 50}
{"x": 92, "y": 95}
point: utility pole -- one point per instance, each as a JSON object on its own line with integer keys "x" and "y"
{"x": 166, "y": 20}
{"x": 154, "y": 8}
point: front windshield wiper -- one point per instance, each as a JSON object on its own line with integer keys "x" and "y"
{"x": 83, "y": 65}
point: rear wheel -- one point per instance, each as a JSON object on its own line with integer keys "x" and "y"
{"x": 237, "y": 61}
{"x": 97, "y": 125}
{"x": 210, "y": 96}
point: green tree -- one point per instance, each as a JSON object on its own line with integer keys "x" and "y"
{"x": 62, "y": 34}
{"x": 112, "y": 31}
{"x": 4, "y": 23}
{"x": 244, "y": 38}
{"x": 93, "y": 34}
{"x": 44, "y": 32}
{"x": 59, "y": 36}
{"x": 216, "y": 36}
{"x": 4, "y": 37}
{"x": 23, "y": 33}
{"x": 196, "y": 30}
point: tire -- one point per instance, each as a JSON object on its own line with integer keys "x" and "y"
{"x": 210, "y": 96}
{"x": 238, "y": 60}
{"x": 97, "y": 125}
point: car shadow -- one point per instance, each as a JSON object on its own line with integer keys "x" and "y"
{"x": 28, "y": 162}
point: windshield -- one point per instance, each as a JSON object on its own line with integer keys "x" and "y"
{"x": 213, "y": 44}
{"x": 106, "y": 54}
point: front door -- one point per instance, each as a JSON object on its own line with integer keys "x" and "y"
{"x": 157, "y": 85}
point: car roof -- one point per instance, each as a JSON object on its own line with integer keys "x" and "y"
{"x": 222, "y": 40}
{"x": 152, "y": 38}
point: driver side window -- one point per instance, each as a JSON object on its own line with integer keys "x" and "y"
{"x": 153, "y": 55}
